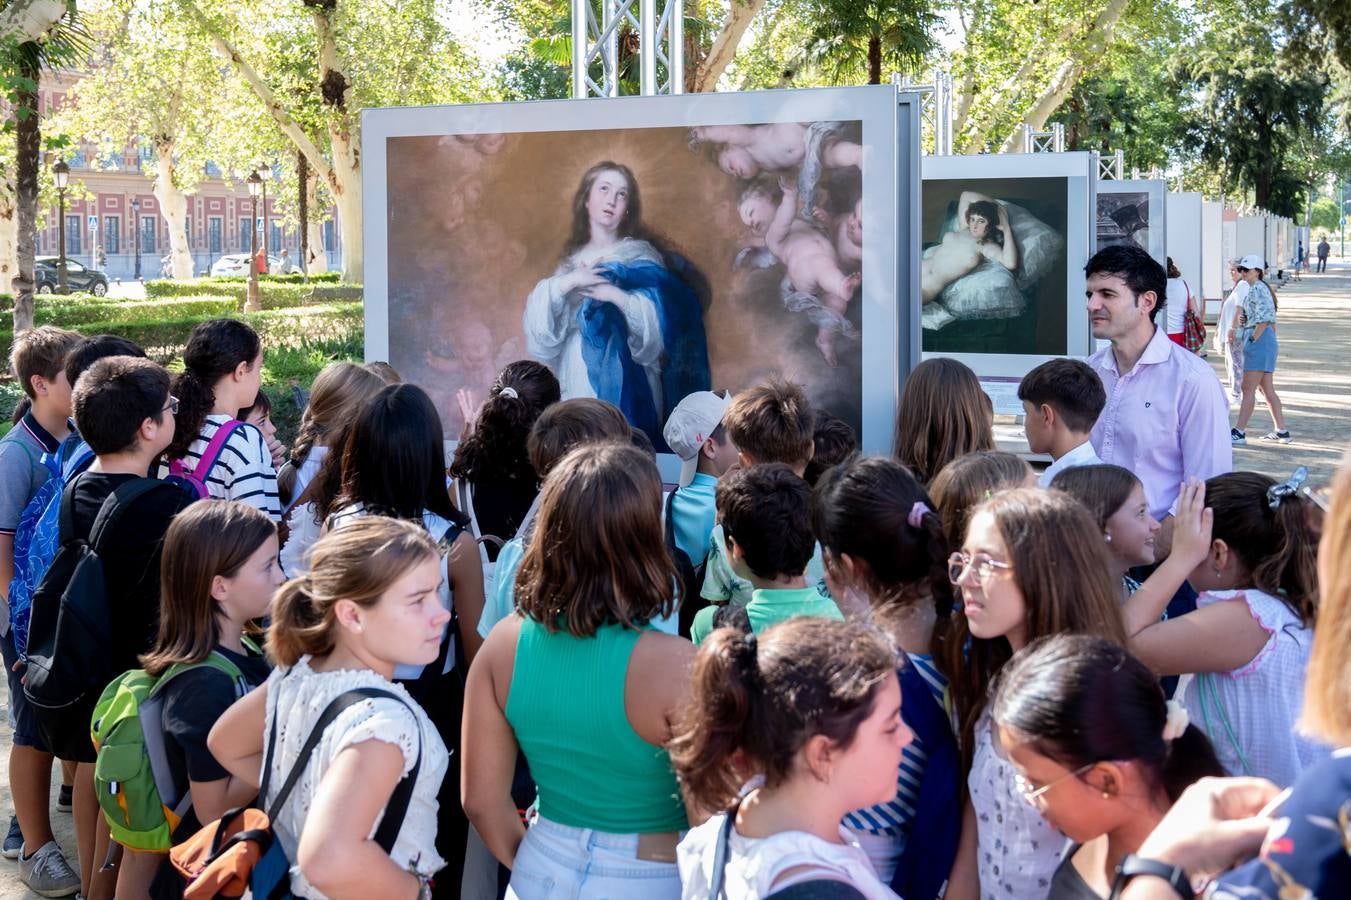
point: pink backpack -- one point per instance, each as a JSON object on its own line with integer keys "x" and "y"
{"x": 194, "y": 480}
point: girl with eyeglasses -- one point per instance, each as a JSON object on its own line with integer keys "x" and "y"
{"x": 1096, "y": 751}
{"x": 1024, "y": 572}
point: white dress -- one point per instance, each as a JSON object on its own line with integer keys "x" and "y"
{"x": 296, "y": 697}
{"x": 1016, "y": 851}
{"x": 552, "y": 335}
{"x": 755, "y": 864}
{"x": 1252, "y": 713}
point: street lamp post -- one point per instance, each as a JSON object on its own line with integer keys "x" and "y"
{"x": 61, "y": 174}
{"x": 253, "y": 304}
{"x": 262, "y": 173}
{"x": 136, "y": 235}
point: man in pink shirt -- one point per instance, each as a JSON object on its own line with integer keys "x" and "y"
{"x": 1166, "y": 417}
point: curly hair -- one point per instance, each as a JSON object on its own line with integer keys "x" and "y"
{"x": 496, "y": 450}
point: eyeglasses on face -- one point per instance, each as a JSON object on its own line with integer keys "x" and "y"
{"x": 172, "y": 406}
{"x": 1034, "y": 795}
{"x": 985, "y": 567}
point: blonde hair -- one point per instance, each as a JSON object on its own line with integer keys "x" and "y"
{"x": 339, "y": 393}
{"x": 358, "y": 562}
{"x": 1327, "y": 687}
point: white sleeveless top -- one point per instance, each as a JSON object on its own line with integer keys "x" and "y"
{"x": 755, "y": 864}
{"x": 296, "y": 697}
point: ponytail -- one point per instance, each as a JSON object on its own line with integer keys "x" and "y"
{"x": 298, "y": 627}
{"x": 757, "y": 700}
{"x": 358, "y": 562}
{"x": 214, "y": 350}
{"x": 1273, "y": 543}
{"x": 1190, "y": 758}
{"x": 496, "y": 448}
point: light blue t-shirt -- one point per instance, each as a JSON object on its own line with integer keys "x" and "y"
{"x": 694, "y": 513}
{"x": 501, "y": 600}
{"x": 722, "y": 585}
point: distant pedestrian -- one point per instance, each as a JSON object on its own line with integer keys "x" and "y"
{"x": 1299, "y": 257}
{"x": 1259, "y": 352}
{"x": 1227, "y": 334}
{"x": 260, "y": 262}
{"x": 284, "y": 264}
{"x": 1323, "y": 250}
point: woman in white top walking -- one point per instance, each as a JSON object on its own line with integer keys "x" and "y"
{"x": 368, "y": 605}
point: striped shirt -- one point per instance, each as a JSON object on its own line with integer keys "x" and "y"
{"x": 242, "y": 472}
{"x": 894, "y": 817}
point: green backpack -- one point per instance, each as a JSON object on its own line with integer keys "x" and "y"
{"x": 132, "y": 779}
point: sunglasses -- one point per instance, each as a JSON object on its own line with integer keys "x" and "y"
{"x": 1241, "y": 269}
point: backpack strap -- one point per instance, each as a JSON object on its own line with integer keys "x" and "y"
{"x": 719, "y": 876}
{"x": 116, "y": 503}
{"x": 395, "y": 809}
{"x": 215, "y": 660}
{"x": 213, "y": 449}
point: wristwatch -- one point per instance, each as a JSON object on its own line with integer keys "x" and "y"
{"x": 1133, "y": 866}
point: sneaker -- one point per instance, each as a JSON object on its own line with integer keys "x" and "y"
{"x": 47, "y": 873}
{"x": 13, "y": 840}
{"x": 1279, "y": 437}
{"x": 1237, "y": 437}
{"x": 64, "y": 801}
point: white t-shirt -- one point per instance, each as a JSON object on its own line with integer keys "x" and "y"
{"x": 1176, "y": 308}
{"x": 296, "y": 697}
{"x": 754, "y": 865}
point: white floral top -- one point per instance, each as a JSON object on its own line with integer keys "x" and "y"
{"x": 296, "y": 697}
{"x": 1016, "y": 851}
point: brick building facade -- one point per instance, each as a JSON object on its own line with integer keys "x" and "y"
{"x": 123, "y": 219}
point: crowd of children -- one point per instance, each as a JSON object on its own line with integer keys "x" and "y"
{"x": 538, "y": 672}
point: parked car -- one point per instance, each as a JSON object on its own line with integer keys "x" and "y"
{"x": 238, "y": 264}
{"x": 78, "y": 277}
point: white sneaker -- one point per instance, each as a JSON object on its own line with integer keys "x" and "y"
{"x": 47, "y": 873}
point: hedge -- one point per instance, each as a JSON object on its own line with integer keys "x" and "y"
{"x": 272, "y": 296}
{"x": 80, "y": 316}
{"x": 291, "y": 278}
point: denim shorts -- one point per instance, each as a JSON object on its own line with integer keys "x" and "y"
{"x": 21, "y": 717}
{"x": 559, "y": 862}
{"x": 1260, "y": 355}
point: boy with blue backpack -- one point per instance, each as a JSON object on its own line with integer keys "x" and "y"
{"x": 37, "y": 359}
{"x": 115, "y": 517}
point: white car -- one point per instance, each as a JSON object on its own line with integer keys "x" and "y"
{"x": 238, "y": 264}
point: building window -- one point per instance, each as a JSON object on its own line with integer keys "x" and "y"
{"x": 243, "y": 235}
{"x": 74, "y": 224}
{"x": 213, "y": 234}
{"x": 328, "y": 235}
{"x": 147, "y": 234}
{"x": 274, "y": 236}
{"x": 112, "y": 234}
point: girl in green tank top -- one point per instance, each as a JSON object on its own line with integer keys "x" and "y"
{"x": 579, "y": 683}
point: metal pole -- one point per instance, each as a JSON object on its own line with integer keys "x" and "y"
{"x": 1342, "y": 220}
{"x": 253, "y": 301}
{"x": 581, "y": 9}
{"x": 61, "y": 284}
{"x": 255, "y": 219}
{"x": 647, "y": 47}
{"x": 675, "y": 52}
{"x": 136, "y": 236}
{"x": 611, "y": 44}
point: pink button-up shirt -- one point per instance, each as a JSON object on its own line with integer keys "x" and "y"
{"x": 1166, "y": 420}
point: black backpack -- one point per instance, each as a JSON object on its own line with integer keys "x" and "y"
{"x": 691, "y": 576}
{"x": 71, "y": 628}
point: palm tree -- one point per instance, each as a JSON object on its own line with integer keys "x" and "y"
{"x": 854, "y": 35}
{"x": 34, "y": 35}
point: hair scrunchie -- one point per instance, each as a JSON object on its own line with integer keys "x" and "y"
{"x": 916, "y": 517}
{"x": 1177, "y": 722}
{"x": 509, "y": 392}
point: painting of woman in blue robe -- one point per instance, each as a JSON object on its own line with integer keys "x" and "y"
{"x": 620, "y": 318}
